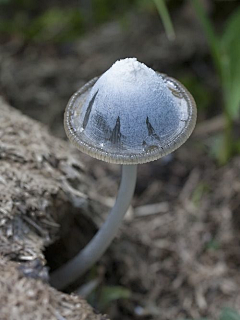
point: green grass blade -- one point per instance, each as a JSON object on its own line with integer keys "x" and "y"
{"x": 166, "y": 19}
{"x": 230, "y": 45}
{"x": 210, "y": 35}
{"x": 229, "y": 314}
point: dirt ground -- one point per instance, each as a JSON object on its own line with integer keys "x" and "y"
{"x": 178, "y": 252}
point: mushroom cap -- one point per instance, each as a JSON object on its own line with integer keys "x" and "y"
{"x": 130, "y": 115}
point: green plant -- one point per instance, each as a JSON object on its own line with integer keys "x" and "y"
{"x": 225, "y": 52}
{"x": 105, "y": 295}
{"x": 226, "y": 314}
{"x": 229, "y": 314}
{"x": 200, "y": 190}
{"x": 167, "y": 23}
{"x": 34, "y": 21}
{"x": 31, "y": 23}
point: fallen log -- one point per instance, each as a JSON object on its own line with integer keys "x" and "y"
{"x": 42, "y": 181}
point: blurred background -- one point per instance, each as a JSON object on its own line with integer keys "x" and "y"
{"x": 178, "y": 255}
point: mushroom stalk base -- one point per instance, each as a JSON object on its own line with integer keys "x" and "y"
{"x": 74, "y": 268}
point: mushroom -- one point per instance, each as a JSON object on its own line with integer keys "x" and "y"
{"x": 129, "y": 115}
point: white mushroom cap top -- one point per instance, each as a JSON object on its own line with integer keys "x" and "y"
{"x": 130, "y": 115}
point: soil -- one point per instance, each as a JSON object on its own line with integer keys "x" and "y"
{"x": 178, "y": 250}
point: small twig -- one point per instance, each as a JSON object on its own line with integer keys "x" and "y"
{"x": 86, "y": 289}
{"x": 151, "y": 209}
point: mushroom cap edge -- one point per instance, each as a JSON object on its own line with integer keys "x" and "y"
{"x": 126, "y": 159}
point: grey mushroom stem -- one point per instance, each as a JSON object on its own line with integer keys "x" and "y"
{"x": 76, "y": 267}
